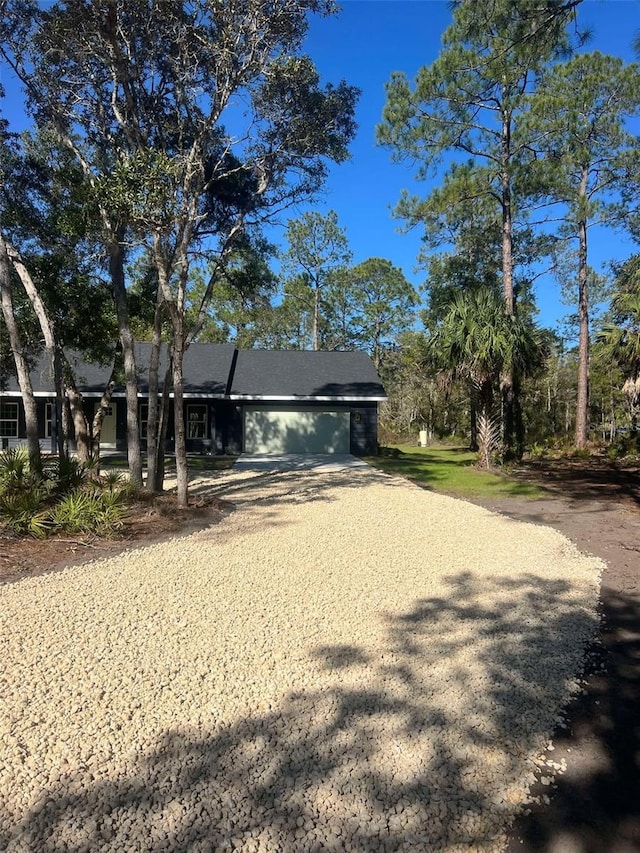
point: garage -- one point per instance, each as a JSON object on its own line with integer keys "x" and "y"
{"x": 296, "y": 429}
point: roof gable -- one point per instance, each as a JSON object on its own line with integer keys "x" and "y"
{"x": 304, "y": 374}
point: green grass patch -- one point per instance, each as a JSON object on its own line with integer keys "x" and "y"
{"x": 451, "y": 470}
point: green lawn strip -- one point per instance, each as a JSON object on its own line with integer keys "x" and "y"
{"x": 451, "y": 470}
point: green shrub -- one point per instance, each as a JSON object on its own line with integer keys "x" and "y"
{"x": 627, "y": 444}
{"x": 537, "y": 451}
{"x": 113, "y": 479}
{"x": 14, "y": 467}
{"x": 58, "y": 500}
{"x": 68, "y": 474}
{"x": 90, "y": 511}
{"x": 23, "y": 510}
{"x": 580, "y": 453}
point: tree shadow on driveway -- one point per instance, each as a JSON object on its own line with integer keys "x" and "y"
{"x": 596, "y": 806}
{"x": 422, "y": 743}
{"x": 270, "y": 488}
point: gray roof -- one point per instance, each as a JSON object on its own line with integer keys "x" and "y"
{"x": 206, "y": 368}
{"x": 219, "y": 370}
{"x": 286, "y": 374}
{"x": 91, "y": 378}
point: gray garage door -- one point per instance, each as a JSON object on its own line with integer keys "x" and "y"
{"x": 296, "y": 430}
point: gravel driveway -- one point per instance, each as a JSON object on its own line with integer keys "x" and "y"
{"x": 346, "y": 662}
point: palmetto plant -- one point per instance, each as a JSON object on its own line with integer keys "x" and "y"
{"x": 476, "y": 340}
{"x": 37, "y": 504}
{"x": 22, "y": 511}
{"x": 14, "y": 466}
{"x": 112, "y": 480}
{"x": 90, "y": 511}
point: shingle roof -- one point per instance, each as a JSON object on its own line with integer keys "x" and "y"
{"x": 218, "y": 370}
{"x": 91, "y": 378}
{"x": 287, "y": 374}
{"x": 206, "y": 368}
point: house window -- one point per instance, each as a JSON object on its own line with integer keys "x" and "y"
{"x": 9, "y": 420}
{"x": 48, "y": 419}
{"x": 196, "y": 421}
{"x": 143, "y": 420}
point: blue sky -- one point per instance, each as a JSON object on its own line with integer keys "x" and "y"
{"x": 364, "y": 44}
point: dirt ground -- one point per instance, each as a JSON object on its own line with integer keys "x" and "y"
{"x": 595, "y": 807}
{"x": 147, "y": 523}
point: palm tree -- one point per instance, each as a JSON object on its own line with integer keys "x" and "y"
{"x": 620, "y": 343}
{"x": 476, "y": 340}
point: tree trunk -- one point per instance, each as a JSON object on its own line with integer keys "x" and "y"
{"x": 486, "y": 437}
{"x": 506, "y": 378}
{"x": 22, "y": 368}
{"x": 316, "y": 319}
{"x": 105, "y": 402}
{"x": 153, "y": 423}
{"x": 178, "y": 415}
{"x": 66, "y": 424}
{"x": 473, "y": 417}
{"x": 377, "y": 346}
{"x": 98, "y": 418}
{"x": 164, "y": 426}
{"x": 60, "y": 439}
{"x": 48, "y": 333}
{"x": 518, "y": 418}
{"x": 582, "y": 401}
{"x": 80, "y": 425}
{"x": 116, "y": 269}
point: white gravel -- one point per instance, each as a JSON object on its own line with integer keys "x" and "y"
{"x": 346, "y": 662}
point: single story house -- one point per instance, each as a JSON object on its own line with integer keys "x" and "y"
{"x": 256, "y": 401}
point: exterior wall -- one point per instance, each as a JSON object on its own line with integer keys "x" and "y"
{"x": 224, "y": 432}
{"x": 228, "y": 428}
{"x": 219, "y": 434}
{"x": 364, "y": 429}
{"x": 47, "y": 444}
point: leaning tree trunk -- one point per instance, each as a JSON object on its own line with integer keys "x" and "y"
{"x": 48, "y": 333}
{"x": 22, "y": 368}
{"x": 61, "y": 439}
{"x": 582, "y": 402}
{"x": 116, "y": 269}
{"x": 98, "y": 419}
{"x": 105, "y": 402}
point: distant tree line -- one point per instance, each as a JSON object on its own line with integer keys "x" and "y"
{"x": 137, "y": 206}
{"x": 534, "y": 149}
